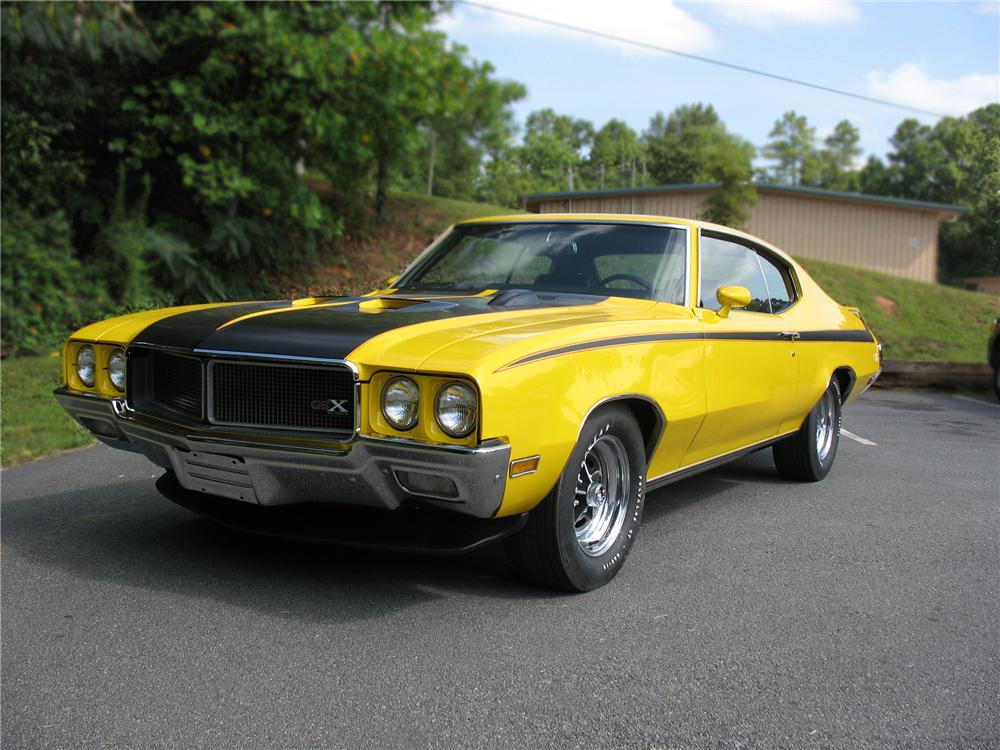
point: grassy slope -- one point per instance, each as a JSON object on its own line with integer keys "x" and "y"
{"x": 31, "y": 422}
{"x": 913, "y": 320}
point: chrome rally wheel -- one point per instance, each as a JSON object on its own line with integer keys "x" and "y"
{"x": 601, "y": 501}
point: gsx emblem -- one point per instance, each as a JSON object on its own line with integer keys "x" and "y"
{"x": 329, "y": 405}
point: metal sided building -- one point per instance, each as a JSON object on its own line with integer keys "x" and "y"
{"x": 892, "y": 235}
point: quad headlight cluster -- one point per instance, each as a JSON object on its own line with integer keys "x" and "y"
{"x": 456, "y": 406}
{"x": 86, "y": 367}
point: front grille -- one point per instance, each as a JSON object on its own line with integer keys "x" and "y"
{"x": 164, "y": 383}
{"x": 291, "y": 397}
{"x": 177, "y": 383}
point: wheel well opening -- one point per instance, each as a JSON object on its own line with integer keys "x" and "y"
{"x": 845, "y": 379}
{"x": 650, "y": 421}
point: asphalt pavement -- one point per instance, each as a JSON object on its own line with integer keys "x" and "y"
{"x": 858, "y": 612}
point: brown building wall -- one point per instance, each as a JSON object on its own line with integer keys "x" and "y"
{"x": 898, "y": 241}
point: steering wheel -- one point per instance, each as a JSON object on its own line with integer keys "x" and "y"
{"x": 627, "y": 277}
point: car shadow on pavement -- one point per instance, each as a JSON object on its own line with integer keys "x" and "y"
{"x": 127, "y": 534}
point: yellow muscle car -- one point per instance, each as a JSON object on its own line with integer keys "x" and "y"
{"x": 529, "y": 378}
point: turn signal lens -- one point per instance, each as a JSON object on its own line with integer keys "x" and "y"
{"x": 455, "y": 409}
{"x": 86, "y": 365}
{"x": 116, "y": 369}
{"x": 401, "y": 403}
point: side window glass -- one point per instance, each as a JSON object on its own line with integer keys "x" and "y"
{"x": 725, "y": 263}
{"x": 779, "y": 285}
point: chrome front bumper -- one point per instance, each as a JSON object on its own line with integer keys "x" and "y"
{"x": 278, "y": 470}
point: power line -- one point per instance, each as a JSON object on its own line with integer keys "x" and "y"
{"x": 699, "y": 58}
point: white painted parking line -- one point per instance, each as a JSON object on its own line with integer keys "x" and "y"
{"x": 855, "y": 438}
{"x": 979, "y": 401}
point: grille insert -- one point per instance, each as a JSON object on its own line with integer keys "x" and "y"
{"x": 164, "y": 383}
{"x": 280, "y": 396}
{"x": 177, "y": 383}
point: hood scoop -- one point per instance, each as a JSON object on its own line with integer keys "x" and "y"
{"x": 515, "y": 299}
{"x": 403, "y": 304}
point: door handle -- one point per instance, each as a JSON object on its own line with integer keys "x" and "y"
{"x": 790, "y": 335}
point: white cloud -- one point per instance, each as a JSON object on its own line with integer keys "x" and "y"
{"x": 989, "y": 8}
{"x": 909, "y": 84}
{"x": 661, "y": 24}
{"x": 765, "y": 13}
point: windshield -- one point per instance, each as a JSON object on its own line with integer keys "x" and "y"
{"x": 620, "y": 260}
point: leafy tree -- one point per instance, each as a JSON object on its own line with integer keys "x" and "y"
{"x": 971, "y": 245}
{"x": 62, "y": 65}
{"x": 793, "y": 149}
{"x": 553, "y": 145}
{"x": 955, "y": 161}
{"x": 502, "y": 181}
{"x": 467, "y": 116}
{"x": 165, "y": 138}
{"x": 616, "y": 149}
{"x": 692, "y": 146}
{"x": 729, "y": 166}
{"x": 678, "y": 146}
{"x": 836, "y": 160}
{"x": 875, "y": 178}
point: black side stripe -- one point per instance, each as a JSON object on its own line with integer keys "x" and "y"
{"x": 864, "y": 336}
{"x": 805, "y": 336}
{"x": 604, "y": 343}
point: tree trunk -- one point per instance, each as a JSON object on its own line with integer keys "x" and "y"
{"x": 430, "y": 165}
{"x": 381, "y": 175}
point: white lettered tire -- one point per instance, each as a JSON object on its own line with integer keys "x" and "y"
{"x": 579, "y": 536}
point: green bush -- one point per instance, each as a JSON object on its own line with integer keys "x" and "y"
{"x": 46, "y": 293}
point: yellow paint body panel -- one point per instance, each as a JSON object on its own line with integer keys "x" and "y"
{"x": 541, "y": 371}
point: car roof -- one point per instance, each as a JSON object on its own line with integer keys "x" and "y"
{"x": 693, "y": 224}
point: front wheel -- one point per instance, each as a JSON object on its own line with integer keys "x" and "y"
{"x": 578, "y": 537}
{"x": 808, "y": 454}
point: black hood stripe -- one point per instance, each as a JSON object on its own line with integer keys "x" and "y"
{"x": 188, "y": 329}
{"x": 323, "y": 331}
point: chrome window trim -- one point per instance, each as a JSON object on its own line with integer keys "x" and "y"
{"x": 669, "y": 225}
{"x": 758, "y": 249}
{"x": 306, "y": 364}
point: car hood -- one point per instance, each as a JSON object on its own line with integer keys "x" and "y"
{"x": 392, "y": 330}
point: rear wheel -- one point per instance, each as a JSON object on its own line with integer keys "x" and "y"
{"x": 578, "y": 537}
{"x": 808, "y": 454}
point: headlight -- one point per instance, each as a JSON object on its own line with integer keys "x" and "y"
{"x": 401, "y": 403}
{"x": 455, "y": 409}
{"x": 86, "y": 364}
{"x": 116, "y": 369}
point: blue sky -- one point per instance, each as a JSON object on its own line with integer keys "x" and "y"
{"x": 939, "y": 56}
